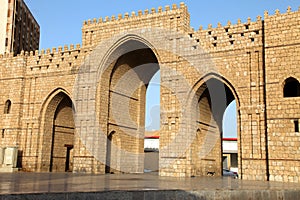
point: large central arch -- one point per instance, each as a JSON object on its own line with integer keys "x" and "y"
{"x": 126, "y": 79}
{"x": 120, "y": 76}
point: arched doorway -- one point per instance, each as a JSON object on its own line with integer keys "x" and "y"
{"x": 58, "y": 134}
{"x": 127, "y": 78}
{"x": 211, "y": 100}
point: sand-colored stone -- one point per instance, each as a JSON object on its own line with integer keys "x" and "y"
{"x": 249, "y": 61}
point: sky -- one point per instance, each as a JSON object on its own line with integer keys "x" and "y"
{"x": 61, "y": 21}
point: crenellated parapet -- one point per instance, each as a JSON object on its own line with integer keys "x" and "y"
{"x": 11, "y": 66}
{"x": 282, "y": 28}
{"x": 55, "y": 59}
{"x": 45, "y": 61}
{"x": 277, "y": 14}
{"x": 240, "y": 35}
{"x": 243, "y": 34}
{"x": 171, "y": 17}
{"x": 147, "y": 13}
{"x": 230, "y": 36}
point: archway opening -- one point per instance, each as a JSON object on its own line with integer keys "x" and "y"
{"x": 129, "y": 77}
{"x": 62, "y": 137}
{"x": 58, "y": 138}
{"x": 212, "y": 97}
{"x": 152, "y": 125}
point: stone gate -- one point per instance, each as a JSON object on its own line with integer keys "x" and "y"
{"x": 82, "y": 109}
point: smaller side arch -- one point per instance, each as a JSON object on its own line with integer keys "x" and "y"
{"x": 291, "y": 87}
{"x": 49, "y": 110}
{"x": 219, "y": 77}
{"x": 51, "y": 95}
{"x": 209, "y": 98}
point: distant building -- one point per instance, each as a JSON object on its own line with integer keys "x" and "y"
{"x": 151, "y": 142}
{"x": 151, "y": 149}
{"x": 230, "y": 154}
{"x": 18, "y": 28}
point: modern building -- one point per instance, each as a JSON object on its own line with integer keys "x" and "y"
{"x": 151, "y": 150}
{"x": 18, "y": 28}
{"x": 230, "y": 154}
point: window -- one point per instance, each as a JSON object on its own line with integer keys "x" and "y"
{"x": 7, "y": 107}
{"x": 291, "y": 88}
{"x": 296, "y": 125}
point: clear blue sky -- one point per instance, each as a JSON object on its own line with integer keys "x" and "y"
{"x": 61, "y": 21}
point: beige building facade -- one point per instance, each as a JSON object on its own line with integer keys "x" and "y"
{"x": 3, "y": 22}
{"x": 82, "y": 109}
{"x": 18, "y": 28}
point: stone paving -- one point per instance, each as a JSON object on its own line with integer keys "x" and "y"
{"x": 138, "y": 186}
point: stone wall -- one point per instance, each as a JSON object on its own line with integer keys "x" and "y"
{"x": 106, "y": 80}
{"x": 282, "y": 62}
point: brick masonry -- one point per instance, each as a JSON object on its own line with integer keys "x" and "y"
{"x": 104, "y": 82}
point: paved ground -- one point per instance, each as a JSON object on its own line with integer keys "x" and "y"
{"x": 12, "y": 185}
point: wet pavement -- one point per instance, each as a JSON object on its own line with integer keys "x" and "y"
{"x": 17, "y": 185}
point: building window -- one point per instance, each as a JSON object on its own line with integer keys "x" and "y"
{"x": 7, "y": 107}
{"x": 296, "y": 125}
{"x": 291, "y": 88}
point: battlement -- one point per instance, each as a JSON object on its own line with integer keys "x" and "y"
{"x": 134, "y": 15}
{"x": 44, "y": 61}
{"x": 241, "y": 34}
{"x": 277, "y": 13}
{"x": 54, "y": 50}
{"x": 172, "y": 17}
{"x": 230, "y": 36}
{"x": 221, "y": 37}
{"x": 61, "y": 57}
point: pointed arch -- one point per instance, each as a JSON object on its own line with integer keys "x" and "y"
{"x": 208, "y": 100}
{"x": 213, "y": 75}
{"x": 291, "y": 87}
{"x": 121, "y": 46}
{"x": 56, "y": 117}
{"x": 126, "y": 78}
